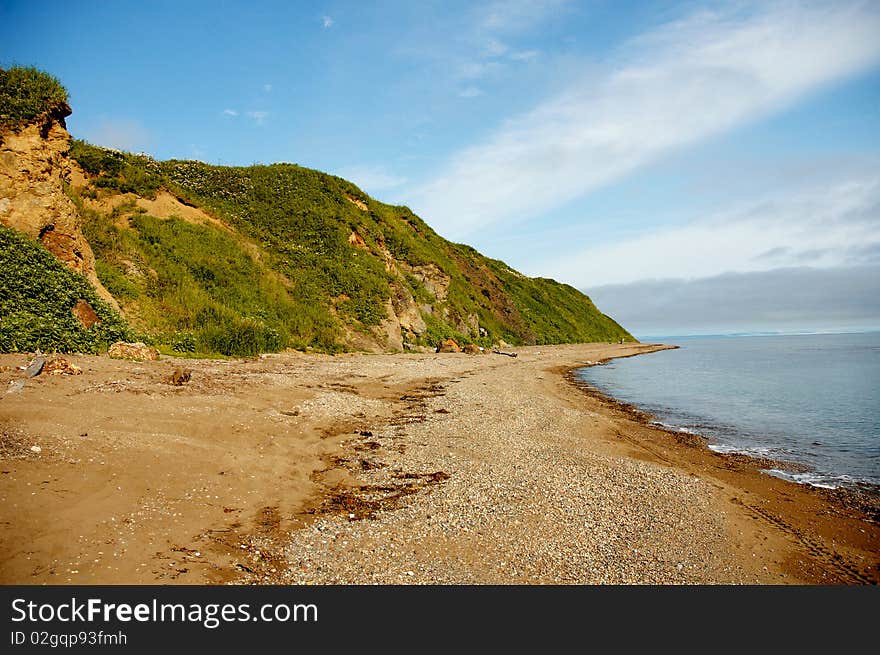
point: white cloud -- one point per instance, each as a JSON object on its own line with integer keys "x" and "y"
{"x": 326, "y": 22}
{"x": 472, "y": 70}
{"x": 511, "y": 16}
{"x": 481, "y": 51}
{"x": 371, "y": 178}
{"x": 495, "y": 48}
{"x": 683, "y": 83}
{"x": 120, "y": 133}
{"x": 259, "y": 117}
{"x": 819, "y": 226}
{"x": 524, "y": 55}
{"x": 230, "y": 112}
{"x": 470, "y": 92}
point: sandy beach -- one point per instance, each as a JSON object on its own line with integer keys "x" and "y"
{"x": 416, "y": 469}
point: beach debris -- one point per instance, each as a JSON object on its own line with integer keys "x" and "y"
{"x": 35, "y": 367}
{"x": 472, "y": 349}
{"x": 60, "y": 366}
{"x": 448, "y": 346}
{"x": 85, "y": 314}
{"x": 180, "y": 376}
{"x": 504, "y": 352}
{"x": 138, "y": 351}
{"x": 36, "y": 449}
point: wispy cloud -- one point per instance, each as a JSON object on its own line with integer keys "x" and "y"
{"x": 326, "y": 22}
{"x": 819, "y": 226}
{"x": 259, "y": 117}
{"x": 471, "y": 70}
{"x": 470, "y": 92}
{"x": 120, "y": 133}
{"x": 371, "y": 178}
{"x": 492, "y": 24}
{"x": 685, "y": 82}
{"x": 495, "y": 48}
{"x": 511, "y": 16}
{"x": 230, "y": 112}
{"x": 524, "y": 55}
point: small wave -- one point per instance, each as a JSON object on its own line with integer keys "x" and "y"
{"x": 809, "y": 478}
{"x": 755, "y": 451}
{"x": 674, "y": 428}
{"x": 823, "y": 480}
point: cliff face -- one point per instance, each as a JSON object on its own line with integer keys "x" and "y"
{"x": 34, "y": 168}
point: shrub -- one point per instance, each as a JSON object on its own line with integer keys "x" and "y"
{"x": 183, "y": 342}
{"x": 120, "y": 171}
{"x": 26, "y": 93}
{"x": 241, "y": 337}
{"x": 37, "y": 294}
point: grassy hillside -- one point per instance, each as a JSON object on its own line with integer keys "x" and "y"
{"x": 37, "y": 294}
{"x": 309, "y": 260}
{"x": 27, "y": 93}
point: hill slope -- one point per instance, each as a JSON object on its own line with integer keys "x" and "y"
{"x": 305, "y": 257}
{"x": 240, "y": 260}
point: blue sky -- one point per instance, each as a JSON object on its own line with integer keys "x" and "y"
{"x": 606, "y": 144}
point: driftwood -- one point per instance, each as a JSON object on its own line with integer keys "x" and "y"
{"x": 502, "y": 352}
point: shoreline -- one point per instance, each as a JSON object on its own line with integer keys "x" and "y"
{"x": 855, "y": 504}
{"x": 390, "y": 469}
{"x": 771, "y": 464}
{"x": 862, "y": 495}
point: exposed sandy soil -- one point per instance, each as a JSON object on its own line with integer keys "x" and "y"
{"x": 306, "y": 468}
{"x": 164, "y": 205}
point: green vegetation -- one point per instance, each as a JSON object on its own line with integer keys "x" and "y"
{"x": 557, "y": 313}
{"x": 120, "y": 171}
{"x": 37, "y": 294}
{"x": 302, "y": 264}
{"x": 197, "y": 288}
{"x": 298, "y": 258}
{"x": 27, "y": 93}
{"x": 302, "y": 220}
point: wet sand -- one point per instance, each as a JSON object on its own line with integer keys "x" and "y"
{"x": 416, "y": 468}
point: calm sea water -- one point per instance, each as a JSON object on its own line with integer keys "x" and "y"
{"x": 809, "y": 399}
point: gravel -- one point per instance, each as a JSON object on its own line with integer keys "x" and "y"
{"x": 526, "y": 501}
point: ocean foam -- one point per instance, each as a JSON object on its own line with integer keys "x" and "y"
{"x": 754, "y": 451}
{"x": 674, "y": 428}
{"x": 808, "y": 478}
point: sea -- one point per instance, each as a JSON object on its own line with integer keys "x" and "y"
{"x": 808, "y": 400}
